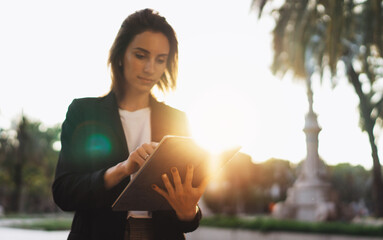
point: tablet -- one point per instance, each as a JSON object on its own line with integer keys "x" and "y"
{"x": 172, "y": 151}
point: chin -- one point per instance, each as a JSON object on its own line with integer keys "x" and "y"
{"x": 145, "y": 89}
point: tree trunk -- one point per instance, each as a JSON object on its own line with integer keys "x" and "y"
{"x": 21, "y": 156}
{"x": 17, "y": 179}
{"x": 376, "y": 24}
{"x": 369, "y": 123}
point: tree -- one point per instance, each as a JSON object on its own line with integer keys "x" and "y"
{"x": 342, "y": 38}
{"x": 357, "y": 180}
{"x": 246, "y": 187}
{"x": 27, "y": 163}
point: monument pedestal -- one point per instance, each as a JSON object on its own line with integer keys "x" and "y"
{"x": 307, "y": 203}
{"x": 309, "y": 199}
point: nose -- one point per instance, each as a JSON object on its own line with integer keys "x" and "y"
{"x": 149, "y": 66}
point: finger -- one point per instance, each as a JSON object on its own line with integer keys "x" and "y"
{"x": 189, "y": 176}
{"x": 135, "y": 157}
{"x": 163, "y": 194}
{"x": 160, "y": 191}
{"x": 142, "y": 153}
{"x": 168, "y": 185}
{"x": 140, "y": 162}
{"x": 177, "y": 180}
{"x": 148, "y": 148}
{"x": 130, "y": 165}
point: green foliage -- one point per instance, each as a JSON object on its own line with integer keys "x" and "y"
{"x": 27, "y": 165}
{"x": 270, "y": 224}
{"x": 357, "y": 180}
{"x": 251, "y": 191}
{"x": 246, "y": 187}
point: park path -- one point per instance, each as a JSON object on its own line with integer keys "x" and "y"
{"x": 22, "y": 234}
{"x": 202, "y": 233}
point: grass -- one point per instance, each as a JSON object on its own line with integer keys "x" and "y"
{"x": 266, "y": 224}
{"x": 45, "y": 224}
{"x": 36, "y": 215}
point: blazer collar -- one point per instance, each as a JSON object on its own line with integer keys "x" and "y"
{"x": 109, "y": 107}
{"x": 110, "y": 101}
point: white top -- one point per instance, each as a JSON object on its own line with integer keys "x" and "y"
{"x": 137, "y": 131}
{"x": 136, "y": 127}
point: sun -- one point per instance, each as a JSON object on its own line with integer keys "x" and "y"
{"x": 218, "y": 120}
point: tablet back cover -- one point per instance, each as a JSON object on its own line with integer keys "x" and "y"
{"x": 172, "y": 151}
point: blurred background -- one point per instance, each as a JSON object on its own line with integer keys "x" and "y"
{"x": 248, "y": 71}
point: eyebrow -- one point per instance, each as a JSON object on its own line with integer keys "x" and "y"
{"x": 146, "y": 51}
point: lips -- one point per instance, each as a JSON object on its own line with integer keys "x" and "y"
{"x": 146, "y": 80}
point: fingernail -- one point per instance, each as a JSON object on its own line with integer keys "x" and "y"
{"x": 164, "y": 175}
{"x": 174, "y": 169}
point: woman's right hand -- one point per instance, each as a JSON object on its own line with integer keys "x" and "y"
{"x": 138, "y": 157}
{"x": 135, "y": 161}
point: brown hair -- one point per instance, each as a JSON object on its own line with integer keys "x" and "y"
{"x": 136, "y": 23}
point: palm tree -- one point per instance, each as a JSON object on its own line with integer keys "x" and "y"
{"x": 342, "y": 37}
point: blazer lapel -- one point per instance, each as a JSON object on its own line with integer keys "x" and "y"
{"x": 156, "y": 120}
{"x": 112, "y": 116}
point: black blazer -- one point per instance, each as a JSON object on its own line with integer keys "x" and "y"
{"x": 93, "y": 140}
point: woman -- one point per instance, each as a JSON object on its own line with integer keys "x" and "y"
{"x": 105, "y": 140}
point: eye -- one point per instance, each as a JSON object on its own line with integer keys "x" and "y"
{"x": 161, "y": 60}
{"x": 140, "y": 55}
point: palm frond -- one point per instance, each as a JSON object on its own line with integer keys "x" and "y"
{"x": 259, "y": 5}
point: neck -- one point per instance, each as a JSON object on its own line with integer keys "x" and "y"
{"x": 133, "y": 102}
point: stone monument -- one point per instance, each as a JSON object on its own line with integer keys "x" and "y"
{"x": 309, "y": 199}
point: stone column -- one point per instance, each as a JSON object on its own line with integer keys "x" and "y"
{"x": 309, "y": 199}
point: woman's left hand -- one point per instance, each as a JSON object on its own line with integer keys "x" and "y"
{"x": 183, "y": 198}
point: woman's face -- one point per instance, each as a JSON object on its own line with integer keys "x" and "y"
{"x": 145, "y": 61}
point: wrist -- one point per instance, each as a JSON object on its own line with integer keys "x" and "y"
{"x": 188, "y": 216}
{"x": 120, "y": 171}
{"x": 114, "y": 175}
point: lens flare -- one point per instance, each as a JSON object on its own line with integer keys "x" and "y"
{"x": 98, "y": 145}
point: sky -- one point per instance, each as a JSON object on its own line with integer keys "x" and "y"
{"x": 54, "y": 51}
